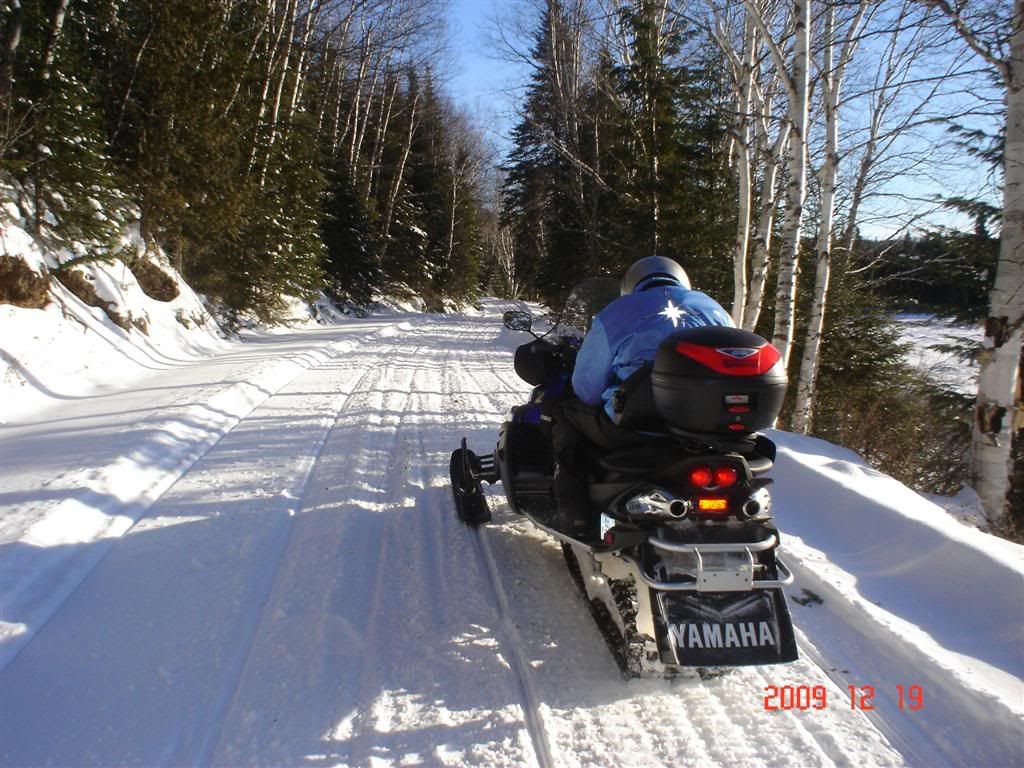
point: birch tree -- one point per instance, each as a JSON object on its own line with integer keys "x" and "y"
{"x": 997, "y": 412}
{"x": 743, "y": 60}
{"x": 745, "y": 165}
{"x": 772, "y": 156}
{"x": 833, "y": 69}
{"x": 795, "y": 79}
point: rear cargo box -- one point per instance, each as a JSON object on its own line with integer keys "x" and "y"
{"x": 718, "y": 381}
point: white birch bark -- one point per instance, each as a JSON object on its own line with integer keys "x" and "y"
{"x": 823, "y": 245}
{"x": 312, "y": 12}
{"x": 383, "y": 125}
{"x": 57, "y": 25}
{"x": 288, "y": 24}
{"x": 796, "y": 83}
{"x": 831, "y": 82}
{"x": 399, "y": 174}
{"x": 771, "y": 156}
{"x": 998, "y": 411}
{"x": 998, "y": 414}
{"x": 744, "y": 163}
{"x": 268, "y": 73}
{"x": 506, "y": 257}
{"x": 762, "y": 235}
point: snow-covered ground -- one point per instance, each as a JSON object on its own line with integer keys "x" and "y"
{"x": 253, "y": 560}
{"x": 927, "y": 335}
{"x": 69, "y": 349}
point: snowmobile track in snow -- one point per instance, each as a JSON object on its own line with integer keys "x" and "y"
{"x": 273, "y": 568}
{"x": 181, "y": 442}
{"x": 531, "y": 709}
{"x": 510, "y": 636}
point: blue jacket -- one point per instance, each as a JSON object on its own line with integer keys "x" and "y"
{"x": 627, "y": 333}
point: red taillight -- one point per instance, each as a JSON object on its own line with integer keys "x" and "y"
{"x": 701, "y": 477}
{"x": 726, "y": 476}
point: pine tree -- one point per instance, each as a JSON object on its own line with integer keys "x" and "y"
{"x": 538, "y": 205}
{"x": 642, "y": 168}
{"x": 353, "y": 271}
{"x": 54, "y": 147}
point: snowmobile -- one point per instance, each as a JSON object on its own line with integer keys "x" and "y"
{"x": 680, "y": 571}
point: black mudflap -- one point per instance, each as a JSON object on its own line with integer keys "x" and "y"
{"x": 725, "y": 629}
{"x": 470, "y": 501}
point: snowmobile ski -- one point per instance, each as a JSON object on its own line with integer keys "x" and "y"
{"x": 466, "y": 470}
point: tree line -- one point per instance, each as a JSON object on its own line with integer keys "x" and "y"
{"x": 269, "y": 146}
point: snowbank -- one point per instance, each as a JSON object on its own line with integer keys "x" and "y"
{"x": 900, "y": 590}
{"x": 69, "y": 348}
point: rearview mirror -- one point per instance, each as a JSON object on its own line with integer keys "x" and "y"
{"x": 516, "y": 320}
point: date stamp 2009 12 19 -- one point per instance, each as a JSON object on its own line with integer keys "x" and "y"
{"x": 807, "y": 697}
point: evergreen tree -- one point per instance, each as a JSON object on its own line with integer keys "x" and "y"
{"x": 538, "y": 206}
{"x": 54, "y": 146}
{"x": 268, "y": 150}
{"x": 674, "y": 142}
{"x": 351, "y": 265}
{"x": 641, "y": 170}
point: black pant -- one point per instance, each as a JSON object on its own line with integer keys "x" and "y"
{"x": 577, "y": 425}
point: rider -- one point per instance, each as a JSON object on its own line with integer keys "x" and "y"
{"x": 655, "y": 301}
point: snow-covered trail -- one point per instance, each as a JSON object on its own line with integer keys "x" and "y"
{"x": 305, "y": 595}
{"x": 76, "y": 479}
{"x": 59, "y": 451}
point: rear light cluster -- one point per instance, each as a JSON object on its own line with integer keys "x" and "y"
{"x": 713, "y": 478}
{"x": 706, "y": 478}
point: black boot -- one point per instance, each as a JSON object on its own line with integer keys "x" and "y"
{"x": 573, "y": 514}
{"x": 575, "y": 523}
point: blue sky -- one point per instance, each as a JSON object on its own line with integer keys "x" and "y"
{"x": 481, "y": 78}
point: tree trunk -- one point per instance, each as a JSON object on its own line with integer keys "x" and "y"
{"x": 12, "y": 36}
{"x": 763, "y": 233}
{"x": 808, "y": 380}
{"x": 268, "y": 74}
{"x": 50, "y": 52}
{"x": 833, "y": 73}
{"x": 396, "y": 186}
{"x": 997, "y": 413}
{"x": 131, "y": 84}
{"x": 744, "y": 159}
{"x": 796, "y": 189}
{"x": 288, "y": 23}
{"x": 312, "y": 13}
{"x": 383, "y": 124}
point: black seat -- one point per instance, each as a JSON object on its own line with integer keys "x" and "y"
{"x": 640, "y": 459}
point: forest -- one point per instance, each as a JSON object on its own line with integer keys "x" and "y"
{"x": 794, "y": 155}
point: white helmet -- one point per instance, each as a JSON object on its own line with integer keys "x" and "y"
{"x": 653, "y": 269}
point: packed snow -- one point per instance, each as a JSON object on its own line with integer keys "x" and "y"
{"x": 252, "y": 559}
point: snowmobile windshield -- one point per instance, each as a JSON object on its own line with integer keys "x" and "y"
{"x": 585, "y": 300}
